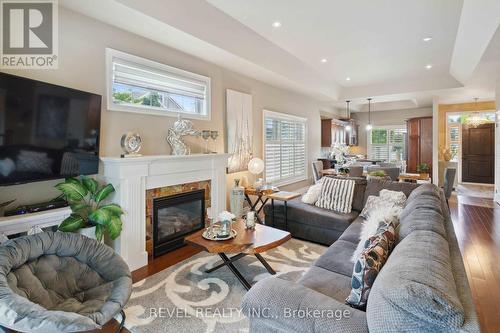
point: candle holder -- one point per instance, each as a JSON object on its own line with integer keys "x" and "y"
{"x": 214, "y": 135}
{"x": 205, "y": 134}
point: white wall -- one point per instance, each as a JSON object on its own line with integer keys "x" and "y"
{"x": 384, "y": 118}
{"x": 82, "y": 43}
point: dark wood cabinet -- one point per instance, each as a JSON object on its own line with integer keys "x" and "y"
{"x": 419, "y": 145}
{"x": 326, "y": 132}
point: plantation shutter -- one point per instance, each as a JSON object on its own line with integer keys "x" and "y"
{"x": 284, "y": 148}
{"x": 386, "y": 143}
{"x": 133, "y": 74}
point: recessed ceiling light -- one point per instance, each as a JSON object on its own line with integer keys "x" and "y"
{"x": 427, "y": 39}
{"x": 324, "y": 60}
{"x": 348, "y": 78}
{"x": 428, "y": 66}
{"x": 277, "y": 24}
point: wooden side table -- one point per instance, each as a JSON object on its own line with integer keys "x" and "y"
{"x": 285, "y": 197}
{"x": 262, "y": 198}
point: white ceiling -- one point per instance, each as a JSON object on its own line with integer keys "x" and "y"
{"x": 378, "y": 44}
{"x": 369, "y": 41}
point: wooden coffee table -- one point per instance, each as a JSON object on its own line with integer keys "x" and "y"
{"x": 246, "y": 242}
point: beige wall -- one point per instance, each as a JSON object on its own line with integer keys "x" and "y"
{"x": 82, "y": 43}
{"x": 384, "y": 118}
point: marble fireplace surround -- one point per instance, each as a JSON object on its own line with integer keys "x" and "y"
{"x": 132, "y": 176}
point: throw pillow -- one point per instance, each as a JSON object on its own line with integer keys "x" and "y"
{"x": 369, "y": 265}
{"x": 379, "y": 216}
{"x": 399, "y": 198}
{"x": 337, "y": 195}
{"x": 313, "y": 193}
{"x": 386, "y": 199}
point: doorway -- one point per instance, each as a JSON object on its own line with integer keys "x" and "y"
{"x": 478, "y": 153}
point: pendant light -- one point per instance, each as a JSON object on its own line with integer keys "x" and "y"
{"x": 369, "y": 126}
{"x": 348, "y": 114}
{"x": 476, "y": 119}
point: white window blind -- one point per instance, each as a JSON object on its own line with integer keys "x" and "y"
{"x": 386, "y": 143}
{"x": 140, "y": 85}
{"x": 285, "y": 150}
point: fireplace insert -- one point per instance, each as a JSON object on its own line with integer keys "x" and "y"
{"x": 174, "y": 217}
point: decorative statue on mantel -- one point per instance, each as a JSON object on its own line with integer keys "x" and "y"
{"x": 181, "y": 127}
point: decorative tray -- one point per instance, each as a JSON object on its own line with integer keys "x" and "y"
{"x": 213, "y": 235}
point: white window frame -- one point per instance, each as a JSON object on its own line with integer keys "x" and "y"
{"x": 148, "y": 110}
{"x": 448, "y": 129}
{"x": 384, "y": 127}
{"x": 285, "y": 116}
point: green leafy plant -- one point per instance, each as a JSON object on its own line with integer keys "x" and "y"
{"x": 344, "y": 170}
{"x": 423, "y": 168}
{"x": 377, "y": 173}
{"x": 85, "y": 197}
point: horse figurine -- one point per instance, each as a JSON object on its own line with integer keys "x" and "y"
{"x": 181, "y": 127}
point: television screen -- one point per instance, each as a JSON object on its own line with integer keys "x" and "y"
{"x": 46, "y": 131}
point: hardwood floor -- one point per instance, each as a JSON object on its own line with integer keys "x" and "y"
{"x": 477, "y": 226}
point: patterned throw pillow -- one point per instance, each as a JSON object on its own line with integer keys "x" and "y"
{"x": 386, "y": 199}
{"x": 369, "y": 264}
{"x": 337, "y": 195}
{"x": 399, "y": 198}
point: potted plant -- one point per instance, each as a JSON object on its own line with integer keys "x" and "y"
{"x": 378, "y": 174}
{"x": 344, "y": 171}
{"x": 399, "y": 152}
{"x": 423, "y": 170}
{"x": 90, "y": 216}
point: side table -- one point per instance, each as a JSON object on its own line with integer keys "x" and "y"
{"x": 285, "y": 197}
{"x": 262, "y": 198}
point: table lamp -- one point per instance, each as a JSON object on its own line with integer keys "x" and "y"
{"x": 256, "y": 167}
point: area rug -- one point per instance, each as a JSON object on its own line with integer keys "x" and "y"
{"x": 183, "y": 298}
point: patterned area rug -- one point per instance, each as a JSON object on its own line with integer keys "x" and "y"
{"x": 183, "y": 298}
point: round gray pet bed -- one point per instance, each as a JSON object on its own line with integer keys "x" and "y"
{"x": 60, "y": 282}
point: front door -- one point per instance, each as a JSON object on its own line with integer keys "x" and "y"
{"x": 478, "y": 149}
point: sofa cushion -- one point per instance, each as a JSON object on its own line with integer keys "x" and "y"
{"x": 369, "y": 264}
{"x": 351, "y": 234}
{"x": 337, "y": 195}
{"x": 311, "y": 215}
{"x": 332, "y": 284}
{"x": 337, "y": 258}
{"x": 422, "y": 212}
{"x": 374, "y": 186}
{"x": 416, "y": 288}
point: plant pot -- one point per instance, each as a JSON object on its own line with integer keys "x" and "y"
{"x": 87, "y": 232}
{"x": 424, "y": 175}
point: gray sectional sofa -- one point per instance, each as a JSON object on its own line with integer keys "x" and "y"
{"x": 325, "y": 226}
{"x": 422, "y": 287}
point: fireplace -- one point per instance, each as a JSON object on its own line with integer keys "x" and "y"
{"x": 174, "y": 217}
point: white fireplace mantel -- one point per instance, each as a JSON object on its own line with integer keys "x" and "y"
{"x": 132, "y": 176}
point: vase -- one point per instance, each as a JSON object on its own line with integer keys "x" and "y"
{"x": 87, "y": 232}
{"x": 225, "y": 229}
{"x": 237, "y": 198}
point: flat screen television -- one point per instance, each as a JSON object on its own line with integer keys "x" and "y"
{"x": 46, "y": 131}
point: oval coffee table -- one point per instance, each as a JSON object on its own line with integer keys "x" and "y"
{"x": 246, "y": 242}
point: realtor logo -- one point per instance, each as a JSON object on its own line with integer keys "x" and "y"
{"x": 29, "y": 34}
